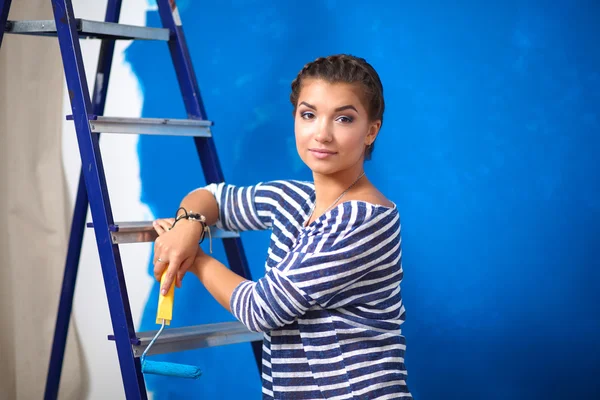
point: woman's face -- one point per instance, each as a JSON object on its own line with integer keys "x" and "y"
{"x": 332, "y": 126}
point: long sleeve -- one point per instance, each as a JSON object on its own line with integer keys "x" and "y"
{"x": 353, "y": 253}
{"x": 244, "y": 208}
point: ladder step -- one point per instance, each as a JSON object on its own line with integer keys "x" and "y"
{"x": 89, "y": 30}
{"x": 150, "y": 126}
{"x": 143, "y": 231}
{"x": 193, "y": 337}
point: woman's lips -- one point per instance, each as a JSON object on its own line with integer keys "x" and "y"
{"x": 321, "y": 153}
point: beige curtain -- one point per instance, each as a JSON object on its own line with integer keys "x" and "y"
{"x": 34, "y": 212}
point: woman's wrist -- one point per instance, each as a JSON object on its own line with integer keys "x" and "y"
{"x": 188, "y": 222}
{"x": 193, "y": 228}
{"x": 195, "y": 222}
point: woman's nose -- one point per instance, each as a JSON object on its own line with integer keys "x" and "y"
{"x": 323, "y": 132}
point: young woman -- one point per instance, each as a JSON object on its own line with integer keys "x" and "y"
{"x": 329, "y": 304}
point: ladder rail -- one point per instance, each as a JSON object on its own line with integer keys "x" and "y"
{"x": 78, "y": 221}
{"x": 205, "y": 147}
{"x": 65, "y": 303}
{"x": 97, "y": 190}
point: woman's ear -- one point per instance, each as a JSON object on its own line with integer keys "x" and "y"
{"x": 372, "y": 133}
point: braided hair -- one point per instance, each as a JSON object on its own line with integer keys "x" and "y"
{"x": 344, "y": 68}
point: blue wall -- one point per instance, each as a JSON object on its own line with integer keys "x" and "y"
{"x": 489, "y": 147}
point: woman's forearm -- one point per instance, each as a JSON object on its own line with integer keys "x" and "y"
{"x": 219, "y": 280}
{"x": 203, "y": 202}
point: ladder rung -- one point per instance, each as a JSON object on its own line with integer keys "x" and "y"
{"x": 143, "y": 231}
{"x": 150, "y": 126}
{"x": 89, "y": 30}
{"x": 194, "y": 337}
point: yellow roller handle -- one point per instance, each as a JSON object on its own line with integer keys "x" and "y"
{"x": 165, "y": 303}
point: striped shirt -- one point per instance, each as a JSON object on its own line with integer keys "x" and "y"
{"x": 329, "y": 304}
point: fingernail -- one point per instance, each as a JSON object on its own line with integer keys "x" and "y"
{"x": 163, "y": 292}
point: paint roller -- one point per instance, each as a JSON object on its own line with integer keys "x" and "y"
{"x": 164, "y": 315}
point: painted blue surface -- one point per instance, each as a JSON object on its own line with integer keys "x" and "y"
{"x": 489, "y": 147}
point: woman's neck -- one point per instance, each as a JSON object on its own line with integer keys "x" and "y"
{"x": 329, "y": 188}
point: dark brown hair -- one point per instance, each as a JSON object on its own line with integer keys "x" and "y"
{"x": 345, "y": 68}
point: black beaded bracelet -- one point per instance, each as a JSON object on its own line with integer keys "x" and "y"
{"x": 194, "y": 217}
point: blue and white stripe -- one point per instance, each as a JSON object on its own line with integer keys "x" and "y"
{"x": 329, "y": 304}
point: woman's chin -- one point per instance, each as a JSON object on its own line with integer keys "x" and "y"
{"x": 321, "y": 168}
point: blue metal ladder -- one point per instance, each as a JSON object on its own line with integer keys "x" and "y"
{"x": 89, "y": 122}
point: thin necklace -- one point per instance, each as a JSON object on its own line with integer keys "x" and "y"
{"x": 336, "y": 200}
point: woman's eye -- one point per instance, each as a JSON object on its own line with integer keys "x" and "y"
{"x": 345, "y": 120}
{"x": 307, "y": 115}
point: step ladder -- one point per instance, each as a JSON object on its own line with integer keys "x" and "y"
{"x": 89, "y": 123}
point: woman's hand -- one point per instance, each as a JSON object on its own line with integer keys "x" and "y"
{"x": 175, "y": 249}
{"x": 163, "y": 225}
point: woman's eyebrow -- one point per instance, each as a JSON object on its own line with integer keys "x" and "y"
{"x": 348, "y": 107}
{"x": 308, "y": 105}
{"x": 342, "y": 108}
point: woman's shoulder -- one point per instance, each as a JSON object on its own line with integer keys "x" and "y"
{"x": 359, "y": 214}
{"x": 355, "y": 221}
{"x": 367, "y": 203}
{"x": 372, "y": 196}
{"x": 364, "y": 209}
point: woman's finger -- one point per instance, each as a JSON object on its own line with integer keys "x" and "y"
{"x": 158, "y": 228}
{"x": 169, "y": 278}
{"x": 183, "y": 270}
{"x": 174, "y": 262}
{"x": 166, "y": 223}
{"x": 159, "y": 250}
{"x": 162, "y": 225}
{"x": 159, "y": 269}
